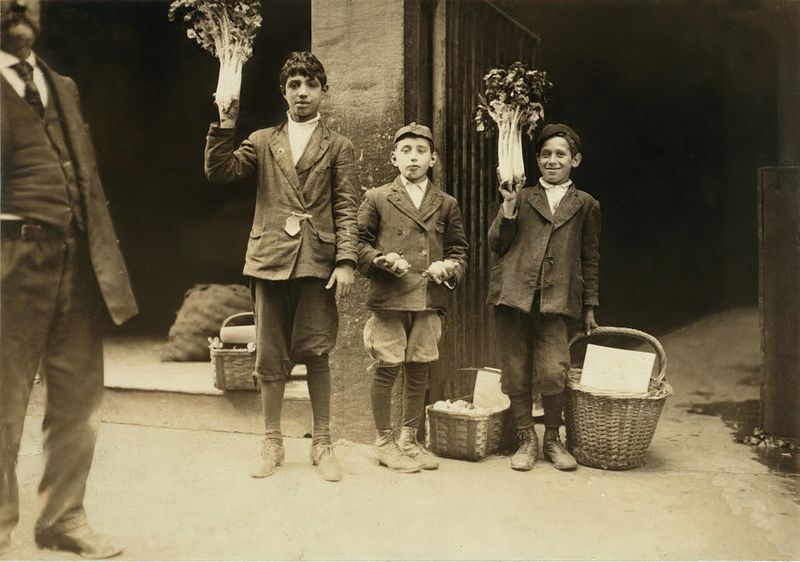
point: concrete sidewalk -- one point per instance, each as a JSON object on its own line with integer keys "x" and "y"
{"x": 183, "y": 494}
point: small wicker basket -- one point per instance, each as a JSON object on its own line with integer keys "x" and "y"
{"x": 466, "y": 436}
{"x": 234, "y": 368}
{"x": 609, "y": 429}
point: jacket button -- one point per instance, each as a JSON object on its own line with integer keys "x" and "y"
{"x": 399, "y": 231}
{"x": 424, "y": 252}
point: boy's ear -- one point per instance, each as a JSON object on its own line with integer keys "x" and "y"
{"x": 393, "y": 158}
{"x": 576, "y": 160}
{"x": 325, "y": 89}
{"x": 434, "y": 157}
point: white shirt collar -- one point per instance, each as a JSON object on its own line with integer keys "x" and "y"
{"x": 310, "y": 123}
{"x": 547, "y": 185}
{"x": 423, "y": 185}
{"x": 8, "y": 60}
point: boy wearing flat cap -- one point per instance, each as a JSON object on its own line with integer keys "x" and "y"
{"x": 546, "y": 243}
{"x": 412, "y": 247}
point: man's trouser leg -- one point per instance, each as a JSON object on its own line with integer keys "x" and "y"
{"x": 51, "y": 313}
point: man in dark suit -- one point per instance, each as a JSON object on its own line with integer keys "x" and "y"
{"x": 60, "y": 264}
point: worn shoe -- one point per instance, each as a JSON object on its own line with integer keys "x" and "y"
{"x": 271, "y": 457}
{"x": 408, "y": 444}
{"x": 555, "y": 452}
{"x": 83, "y": 541}
{"x": 328, "y": 466}
{"x": 388, "y": 454}
{"x": 528, "y": 449}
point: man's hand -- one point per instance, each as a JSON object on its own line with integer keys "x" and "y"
{"x": 342, "y": 277}
{"x": 393, "y": 263}
{"x": 228, "y": 113}
{"x": 589, "y": 323}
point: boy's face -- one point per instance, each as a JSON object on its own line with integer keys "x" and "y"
{"x": 413, "y": 157}
{"x": 556, "y": 160}
{"x": 303, "y": 95}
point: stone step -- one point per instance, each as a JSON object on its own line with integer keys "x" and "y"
{"x": 140, "y": 389}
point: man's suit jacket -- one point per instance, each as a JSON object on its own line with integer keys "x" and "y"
{"x": 320, "y": 185}
{"x": 109, "y": 266}
{"x": 557, "y": 252}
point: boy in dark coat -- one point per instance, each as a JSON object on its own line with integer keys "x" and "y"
{"x": 411, "y": 245}
{"x": 546, "y": 241}
{"x": 302, "y": 243}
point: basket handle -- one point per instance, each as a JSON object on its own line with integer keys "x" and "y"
{"x": 631, "y": 333}
{"x": 232, "y": 317}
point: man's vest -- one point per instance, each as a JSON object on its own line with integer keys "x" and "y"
{"x": 38, "y": 177}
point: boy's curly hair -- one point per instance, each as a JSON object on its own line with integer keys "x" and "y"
{"x": 303, "y": 63}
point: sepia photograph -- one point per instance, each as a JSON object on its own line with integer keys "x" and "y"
{"x": 400, "y": 279}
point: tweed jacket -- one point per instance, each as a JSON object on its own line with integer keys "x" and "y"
{"x": 389, "y": 222}
{"x": 558, "y": 254}
{"x": 321, "y": 185}
{"x": 107, "y": 261}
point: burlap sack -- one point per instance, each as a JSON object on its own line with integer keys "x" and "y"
{"x": 200, "y": 317}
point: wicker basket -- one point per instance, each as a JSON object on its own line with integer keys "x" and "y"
{"x": 466, "y": 436}
{"x": 610, "y": 429}
{"x": 234, "y": 368}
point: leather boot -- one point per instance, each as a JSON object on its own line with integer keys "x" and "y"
{"x": 388, "y": 454}
{"x": 555, "y": 452}
{"x": 271, "y": 457}
{"x": 324, "y": 459}
{"x": 82, "y": 541}
{"x": 407, "y": 442}
{"x": 528, "y": 450}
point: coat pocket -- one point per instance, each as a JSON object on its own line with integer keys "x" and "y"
{"x": 327, "y": 237}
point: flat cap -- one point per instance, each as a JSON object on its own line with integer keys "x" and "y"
{"x": 413, "y": 130}
{"x": 557, "y": 130}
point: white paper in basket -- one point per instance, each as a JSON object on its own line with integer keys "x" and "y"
{"x": 487, "y": 391}
{"x": 609, "y": 368}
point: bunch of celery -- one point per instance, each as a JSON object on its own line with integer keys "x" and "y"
{"x": 225, "y": 28}
{"x": 513, "y": 101}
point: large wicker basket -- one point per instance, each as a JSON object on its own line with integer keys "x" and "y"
{"x": 466, "y": 436}
{"x": 234, "y": 368}
{"x": 609, "y": 429}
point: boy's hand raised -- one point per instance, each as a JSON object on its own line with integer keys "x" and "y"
{"x": 228, "y": 113}
{"x": 342, "y": 277}
{"x": 510, "y": 192}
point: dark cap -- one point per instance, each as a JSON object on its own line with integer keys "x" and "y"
{"x": 557, "y": 130}
{"x": 413, "y": 130}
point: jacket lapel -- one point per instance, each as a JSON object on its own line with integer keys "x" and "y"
{"x": 567, "y": 208}
{"x": 62, "y": 94}
{"x": 400, "y": 199}
{"x": 538, "y": 200}
{"x": 316, "y": 148}
{"x": 431, "y": 202}
{"x": 282, "y": 153}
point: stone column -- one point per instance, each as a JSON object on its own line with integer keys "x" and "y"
{"x": 362, "y": 45}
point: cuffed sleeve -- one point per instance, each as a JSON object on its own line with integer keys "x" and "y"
{"x": 345, "y": 204}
